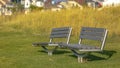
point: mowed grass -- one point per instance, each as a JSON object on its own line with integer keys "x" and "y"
{"x": 16, "y": 51}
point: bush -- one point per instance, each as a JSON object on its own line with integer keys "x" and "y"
{"x": 33, "y": 7}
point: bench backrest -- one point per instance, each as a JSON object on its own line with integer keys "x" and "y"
{"x": 62, "y": 32}
{"x": 91, "y": 33}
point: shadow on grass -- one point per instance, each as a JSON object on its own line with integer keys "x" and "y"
{"x": 91, "y": 57}
{"x": 56, "y": 51}
{"x": 108, "y": 53}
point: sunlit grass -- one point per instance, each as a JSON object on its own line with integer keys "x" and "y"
{"x": 37, "y": 21}
{"x": 16, "y": 51}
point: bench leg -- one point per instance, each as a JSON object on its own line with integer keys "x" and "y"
{"x": 80, "y": 59}
{"x": 80, "y": 56}
{"x": 50, "y": 53}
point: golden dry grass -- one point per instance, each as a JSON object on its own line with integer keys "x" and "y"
{"x": 37, "y": 21}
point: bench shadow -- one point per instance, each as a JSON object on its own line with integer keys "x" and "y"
{"x": 61, "y": 52}
{"x": 91, "y": 57}
{"x": 108, "y": 53}
{"x": 56, "y": 51}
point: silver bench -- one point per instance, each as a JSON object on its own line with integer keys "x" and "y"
{"x": 90, "y": 34}
{"x": 56, "y": 33}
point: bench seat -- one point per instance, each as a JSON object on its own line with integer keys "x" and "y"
{"x": 90, "y": 34}
{"x": 45, "y": 44}
{"x": 80, "y": 47}
{"x": 61, "y": 33}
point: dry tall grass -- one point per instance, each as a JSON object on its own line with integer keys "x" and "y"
{"x": 37, "y": 22}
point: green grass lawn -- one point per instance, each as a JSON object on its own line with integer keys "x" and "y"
{"x": 16, "y": 51}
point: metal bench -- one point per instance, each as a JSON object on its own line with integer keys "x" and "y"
{"x": 62, "y": 33}
{"x": 88, "y": 34}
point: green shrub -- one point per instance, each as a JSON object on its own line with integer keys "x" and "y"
{"x": 33, "y": 7}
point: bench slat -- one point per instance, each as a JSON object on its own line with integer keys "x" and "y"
{"x": 60, "y": 32}
{"x": 93, "y": 29}
{"x": 59, "y": 36}
{"x": 60, "y": 29}
{"x": 92, "y": 33}
{"x": 100, "y": 34}
{"x": 91, "y": 37}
